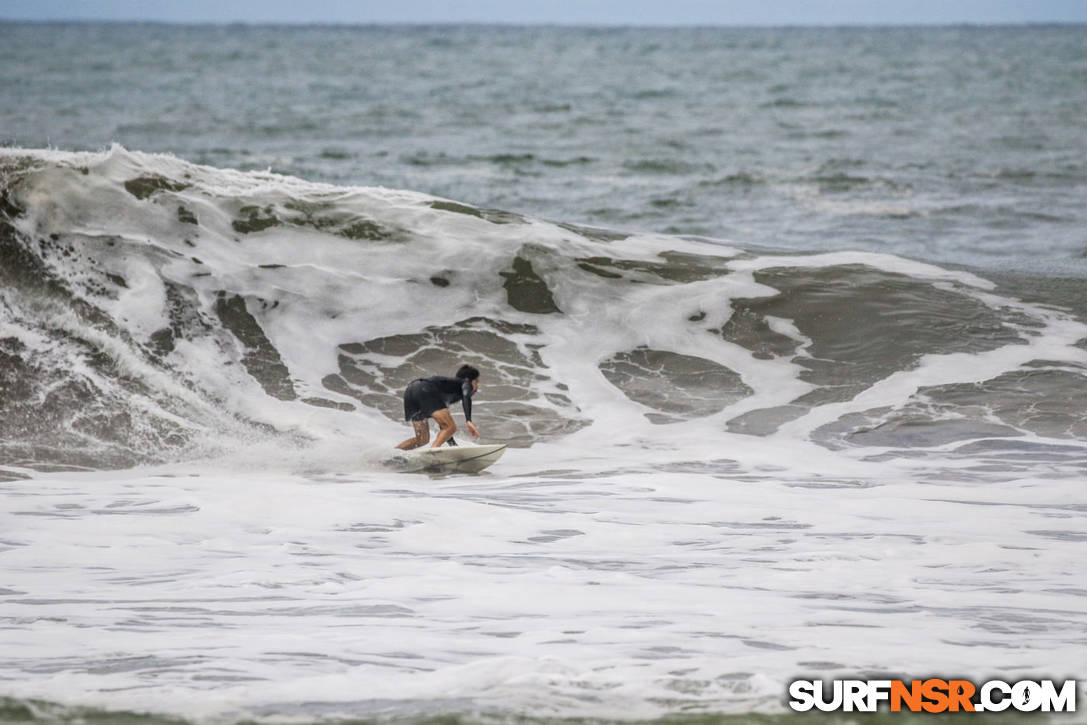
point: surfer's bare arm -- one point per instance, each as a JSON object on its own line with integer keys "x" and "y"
{"x": 472, "y": 428}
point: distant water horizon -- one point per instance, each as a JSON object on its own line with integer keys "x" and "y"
{"x": 955, "y": 145}
{"x": 573, "y": 25}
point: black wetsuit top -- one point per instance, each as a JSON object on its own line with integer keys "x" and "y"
{"x": 426, "y": 395}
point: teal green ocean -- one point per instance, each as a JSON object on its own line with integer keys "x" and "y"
{"x": 961, "y": 145}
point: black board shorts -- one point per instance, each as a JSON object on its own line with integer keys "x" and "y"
{"x": 421, "y": 399}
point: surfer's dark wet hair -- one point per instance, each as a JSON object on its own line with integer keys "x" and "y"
{"x": 467, "y": 372}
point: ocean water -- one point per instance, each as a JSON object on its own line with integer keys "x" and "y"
{"x": 786, "y": 329}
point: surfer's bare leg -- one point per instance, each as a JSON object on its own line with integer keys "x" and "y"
{"x": 422, "y": 435}
{"x": 448, "y": 427}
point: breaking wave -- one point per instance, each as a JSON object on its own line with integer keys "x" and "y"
{"x": 153, "y": 310}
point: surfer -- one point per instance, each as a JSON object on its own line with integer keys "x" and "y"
{"x": 431, "y": 397}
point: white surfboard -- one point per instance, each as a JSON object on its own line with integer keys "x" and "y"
{"x": 451, "y": 459}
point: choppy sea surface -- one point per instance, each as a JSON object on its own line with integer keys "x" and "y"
{"x": 786, "y": 327}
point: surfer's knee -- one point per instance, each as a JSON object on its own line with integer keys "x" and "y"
{"x": 445, "y": 421}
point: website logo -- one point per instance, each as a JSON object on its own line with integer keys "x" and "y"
{"x": 932, "y": 695}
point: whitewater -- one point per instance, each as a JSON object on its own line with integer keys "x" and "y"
{"x": 732, "y": 466}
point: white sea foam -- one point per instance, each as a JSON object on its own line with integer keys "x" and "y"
{"x": 633, "y": 592}
{"x": 625, "y": 569}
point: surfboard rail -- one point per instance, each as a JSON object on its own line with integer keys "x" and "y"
{"x": 453, "y": 459}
